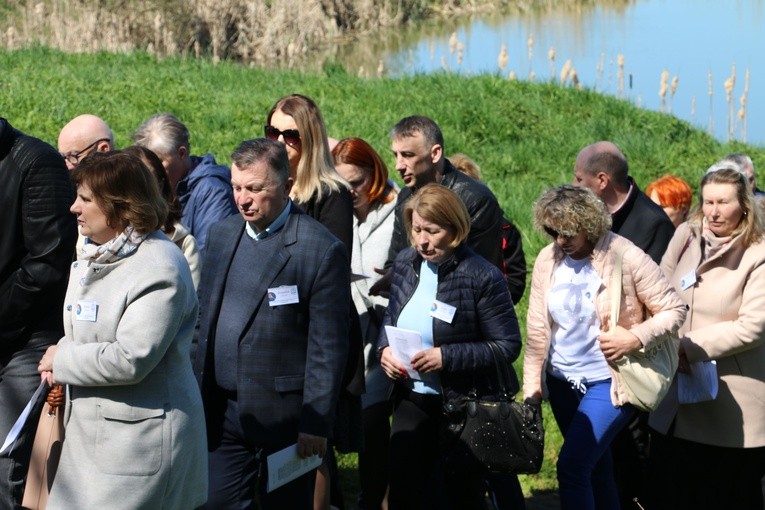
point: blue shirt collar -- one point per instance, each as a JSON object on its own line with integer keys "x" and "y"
{"x": 275, "y": 225}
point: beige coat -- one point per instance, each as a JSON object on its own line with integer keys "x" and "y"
{"x": 726, "y": 322}
{"x": 642, "y": 284}
{"x": 135, "y": 429}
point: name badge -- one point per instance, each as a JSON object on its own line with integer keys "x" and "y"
{"x": 442, "y": 311}
{"x": 284, "y": 295}
{"x": 688, "y": 280}
{"x": 86, "y": 311}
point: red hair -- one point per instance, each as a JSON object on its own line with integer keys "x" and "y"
{"x": 357, "y": 152}
{"x": 672, "y": 192}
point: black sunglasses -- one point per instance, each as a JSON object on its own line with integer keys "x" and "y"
{"x": 291, "y": 136}
{"x": 555, "y": 234}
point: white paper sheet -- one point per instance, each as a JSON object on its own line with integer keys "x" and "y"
{"x": 405, "y": 343}
{"x": 15, "y": 432}
{"x": 699, "y": 385}
{"x": 285, "y": 465}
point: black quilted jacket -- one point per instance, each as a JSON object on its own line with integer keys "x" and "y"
{"x": 484, "y": 312}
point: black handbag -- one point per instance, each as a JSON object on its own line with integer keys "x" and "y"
{"x": 492, "y": 436}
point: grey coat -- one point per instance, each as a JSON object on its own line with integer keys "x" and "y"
{"x": 135, "y": 434}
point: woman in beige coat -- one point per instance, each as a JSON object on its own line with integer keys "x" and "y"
{"x": 569, "y": 348}
{"x": 135, "y": 432}
{"x": 711, "y": 454}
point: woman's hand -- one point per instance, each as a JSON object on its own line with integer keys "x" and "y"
{"x": 391, "y": 365}
{"x": 618, "y": 343}
{"x": 45, "y": 367}
{"x": 429, "y": 360}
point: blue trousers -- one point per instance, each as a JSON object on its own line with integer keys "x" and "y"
{"x": 589, "y": 423}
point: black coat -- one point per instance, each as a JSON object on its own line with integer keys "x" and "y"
{"x": 37, "y": 239}
{"x": 484, "y": 312}
{"x": 645, "y": 223}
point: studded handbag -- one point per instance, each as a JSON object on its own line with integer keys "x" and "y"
{"x": 495, "y": 434}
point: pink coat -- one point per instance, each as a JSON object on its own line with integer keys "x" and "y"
{"x": 643, "y": 283}
{"x": 726, "y": 322}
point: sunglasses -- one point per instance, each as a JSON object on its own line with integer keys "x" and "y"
{"x": 74, "y": 157}
{"x": 291, "y": 136}
{"x": 555, "y": 234}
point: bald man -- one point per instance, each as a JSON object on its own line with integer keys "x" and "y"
{"x": 603, "y": 168}
{"x": 81, "y": 136}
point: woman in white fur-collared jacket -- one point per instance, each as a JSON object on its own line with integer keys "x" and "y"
{"x": 135, "y": 434}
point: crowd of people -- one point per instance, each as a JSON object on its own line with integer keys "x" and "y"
{"x": 203, "y": 317}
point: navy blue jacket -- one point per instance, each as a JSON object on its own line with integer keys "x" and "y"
{"x": 484, "y": 312}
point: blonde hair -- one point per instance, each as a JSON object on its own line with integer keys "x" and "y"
{"x": 750, "y": 227}
{"x": 569, "y": 209}
{"x": 316, "y": 174}
{"x": 466, "y": 165}
{"x": 440, "y": 205}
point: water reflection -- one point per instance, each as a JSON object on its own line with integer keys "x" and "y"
{"x": 685, "y": 39}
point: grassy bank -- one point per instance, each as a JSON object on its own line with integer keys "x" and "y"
{"x": 524, "y": 136}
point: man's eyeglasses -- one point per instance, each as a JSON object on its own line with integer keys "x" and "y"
{"x": 74, "y": 157}
{"x": 555, "y": 234}
{"x": 291, "y": 136}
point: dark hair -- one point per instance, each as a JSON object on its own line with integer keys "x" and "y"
{"x": 154, "y": 164}
{"x": 410, "y": 126}
{"x": 124, "y": 189}
{"x": 357, "y": 152}
{"x": 273, "y": 153}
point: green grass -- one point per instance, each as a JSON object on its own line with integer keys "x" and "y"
{"x": 525, "y": 136}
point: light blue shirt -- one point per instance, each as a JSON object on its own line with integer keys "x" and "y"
{"x": 275, "y": 225}
{"x": 416, "y": 316}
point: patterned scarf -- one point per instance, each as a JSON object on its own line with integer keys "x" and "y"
{"x": 111, "y": 251}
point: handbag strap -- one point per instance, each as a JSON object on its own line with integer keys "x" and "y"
{"x": 616, "y": 290}
{"x": 503, "y": 372}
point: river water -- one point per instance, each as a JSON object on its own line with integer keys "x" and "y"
{"x": 701, "y": 43}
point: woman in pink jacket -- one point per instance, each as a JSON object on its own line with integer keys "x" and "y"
{"x": 711, "y": 453}
{"x": 569, "y": 350}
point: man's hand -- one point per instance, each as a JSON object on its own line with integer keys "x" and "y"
{"x": 382, "y": 286}
{"x": 308, "y": 445}
{"x": 429, "y": 360}
{"x": 618, "y": 343}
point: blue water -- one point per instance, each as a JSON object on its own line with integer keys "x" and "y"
{"x": 687, "y": 38}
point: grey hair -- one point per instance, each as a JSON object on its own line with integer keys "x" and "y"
{"x": 163, "y": 133}
{"x": 271, "y": 152}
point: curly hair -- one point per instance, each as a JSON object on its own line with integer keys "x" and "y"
{"x": 124, "y": 189}
{"x": 569, "y": 210}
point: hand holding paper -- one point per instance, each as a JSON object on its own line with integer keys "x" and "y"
{"x": 405, "y": 344}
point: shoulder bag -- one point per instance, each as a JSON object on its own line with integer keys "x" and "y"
{"x": 492, "y": 436}
{"x": 644, "y": 375}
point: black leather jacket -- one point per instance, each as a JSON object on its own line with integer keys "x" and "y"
{"x": 485, "y": 216}
{"x": 484, "y": 312}
{"x": 37, "y": 239}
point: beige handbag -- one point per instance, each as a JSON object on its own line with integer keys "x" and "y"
{"x": 645, "y": 375}
{"x": 46, "y": 451}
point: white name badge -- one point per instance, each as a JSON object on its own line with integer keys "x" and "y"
{"x": 688, "y": 280}
{"x": 442, "y": 311}
{"x": 86, "y": 311}
{"x": 284, "y": 295}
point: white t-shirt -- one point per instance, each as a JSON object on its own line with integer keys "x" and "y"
{"x": 575, "y": 353}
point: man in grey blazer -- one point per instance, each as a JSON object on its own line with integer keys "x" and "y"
{"x": 273, "y": 334}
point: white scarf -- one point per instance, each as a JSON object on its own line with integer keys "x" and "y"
{"x": 111, "y": 251}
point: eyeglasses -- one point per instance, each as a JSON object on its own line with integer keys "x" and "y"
{"x": 74, "y": 157}
{"x": 291, "y": 136}
{"x": 555, "y": 234}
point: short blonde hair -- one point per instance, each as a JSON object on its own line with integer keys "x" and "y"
{"x": 569, "y": 209}
{"x": 440, "y": 205}
{"x": 466, "y": 165}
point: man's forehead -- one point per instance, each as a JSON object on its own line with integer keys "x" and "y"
{"x": 414, "y": 140}
{"x": 256, "y": 173}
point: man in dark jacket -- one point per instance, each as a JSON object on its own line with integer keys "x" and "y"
{"x": 37, "y": 237}
{"x": 203, "y": 186}
{"x": 418, "y": 146}
{"x": 603, "y": 168}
